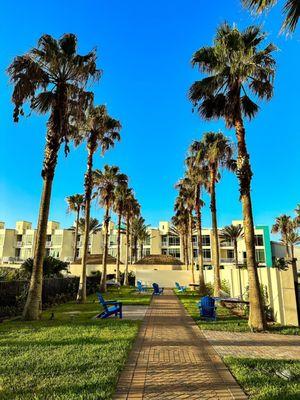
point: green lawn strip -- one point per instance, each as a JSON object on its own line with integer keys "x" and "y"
{"x": 70, "y": 357}
{"x": 226, "y": 320}
{"x": 265, "y": 379}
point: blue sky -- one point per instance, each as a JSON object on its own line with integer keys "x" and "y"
{"x": 144, "y": 48}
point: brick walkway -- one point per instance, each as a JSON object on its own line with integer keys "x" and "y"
{"x": 171, "y": 359}
{"x": 255, "y": 345}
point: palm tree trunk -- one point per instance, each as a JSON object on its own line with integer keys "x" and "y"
{"x": 33, "y": 305}
{"x": 127, "y": 251}
{"x": 118, "y": 247}
{"x": 105, "y": 251}
{"x": 244, "y": 173}
{"x": 187, "y": 258}
{"x": 135, "y": 250}
{"x": 76, "y": 234}
{"x": 199, "y": 236}
{"x": 235, "y": 250}
{"x": 191, "y": 245}
{"x": 213, "y": 208}
{"x": 88, "y": 186}
{"x": 141, "y": 249}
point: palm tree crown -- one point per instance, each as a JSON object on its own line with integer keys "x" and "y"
{"x": 75, "y": 202}
{"x": 291, "y": 9}
{"x": 235, "y": 66}
{"x": 52, "y": 77}
{"x": 231, "y": 233}
{"x": 94, "y": 225}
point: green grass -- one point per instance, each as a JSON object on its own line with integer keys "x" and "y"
{"x": 226, "y": 320}
{"x": 259, "y": 377}
{"x": 70, "y": 357}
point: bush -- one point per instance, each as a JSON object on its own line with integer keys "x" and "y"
{"x": 52, "y": 267}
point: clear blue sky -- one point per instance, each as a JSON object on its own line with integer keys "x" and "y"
{"x": 145, "y": 48}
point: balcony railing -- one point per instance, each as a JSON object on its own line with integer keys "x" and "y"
{"x": 227, "y": 260}
{"x": 48, "y": 243}
{"x": 226, "y": 244}
{"x": 19, "y": 244}
{"x": 207, "y": 259}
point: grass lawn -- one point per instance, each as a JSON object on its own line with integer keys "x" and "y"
{"x": 70, "y": 357}
{"x": 226, "y": 320}
{"x": 267, "y": 379}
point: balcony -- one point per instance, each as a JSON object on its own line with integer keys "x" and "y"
{"x": 48, "y": 243}
{"x": 19, "y": 244}
{"x": 207, "y": 259}
{"x": 227, "y": 260}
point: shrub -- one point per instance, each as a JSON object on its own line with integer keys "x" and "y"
{"x": 52, "y": 267}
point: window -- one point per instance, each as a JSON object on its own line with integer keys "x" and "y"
{"x": 259, "y": 240}
{"x": 205, "y": 240}
{"x": 164, "y": 240}
{"x": 195, "y": 239}
{"x": 146, "y": 252}
{"x": 206, "y": 254}
{"x": 19, "y": 238}
{"x": 147, "y": 242}
{"x": 174, "y": 253}
{"x": 48, "y": 239}
{"x": 164, "y": 252}
{"x": 174, "y": 241}
{"x": 195, "y": 253}
{"x": 230, "y": 253}
{"x": 260, "y": 255}
{"x": 78, "y": 238}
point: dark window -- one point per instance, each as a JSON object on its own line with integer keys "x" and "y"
{"x": 174, "y": 241}
{"x": 19, "y": 238}
{"x": 206, "y": 254}
{"x": 195, "y": 239}
{"x": 164, "y": 251}
{"x": 195, "y": 253}
{"x": 259, "y": 240}
{"x": 230, "y": 254}
{"x": 205, "y": 240}
{"x": 48, "y": 239}
{"x": 164, "y": 240}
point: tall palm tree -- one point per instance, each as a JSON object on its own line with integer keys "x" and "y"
{"x": 232, "y": 233}
{"x": 101, "y": 132}
{"x": 106, "y": 182}
{"x": 179, "y": 228}
{"x": 185, "y": 203}
{"x": 216, "y": 151}
{"x": 291, "y": 9}
{"x": 297, "y": 218}
{"x": 235, "y": 65}
{"x": 198, "y": 174}
{"x": 284, "y": 226}
{"x": 292, "y": 239}
{"x": 52, "y": 78}
{"x": 118, "y": 208}
{"x": 75, "y": 204}
{"x": 131, "y": 209}
{"x": 139, "y": 234}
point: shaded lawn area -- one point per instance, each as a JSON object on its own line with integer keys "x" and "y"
{"x": 264, "y": 379}
{"x": 226, "y": 320}
{"x": 70, "y": 357}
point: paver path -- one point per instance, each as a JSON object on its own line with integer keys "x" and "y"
{"x": 256, "y": 345}
{"x": 171, "y": 359}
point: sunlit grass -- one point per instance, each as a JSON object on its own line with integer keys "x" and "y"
{"x": 72, "y": 356}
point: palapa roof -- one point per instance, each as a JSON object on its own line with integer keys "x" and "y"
{"x": 159, "y": 259}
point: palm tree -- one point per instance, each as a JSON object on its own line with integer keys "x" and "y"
{"x": 118, "y": 208}
{"x": 180, "y": 228}
{"x": 284, "y": 226}
{"x": 52, "y": 78}
{"x": 234, "y": 64}
{"x": 131, "y": 209}
{"x": 139, "y": 234}
{"x": 291, "y": 9}
{"x": 293, "y": 239}
{"x": 185, "y": 203}
{"x": 75, "y": 204}
{"x": 232, "y": 233}
{"x": 216, "y": 151}
{"x": 101, "y": 131}
{"x": 106, "y": 182}
{"x": 198, "y": 174}
{"x": 94, "y": 226}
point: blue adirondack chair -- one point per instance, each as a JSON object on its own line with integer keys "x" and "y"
{"x": 207, "y": 308}
{"x": 140, "y": 287}
{"x": 111, "y": 307}
{"x": 180, "y": 288}
{"x": 157, "y": 290}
